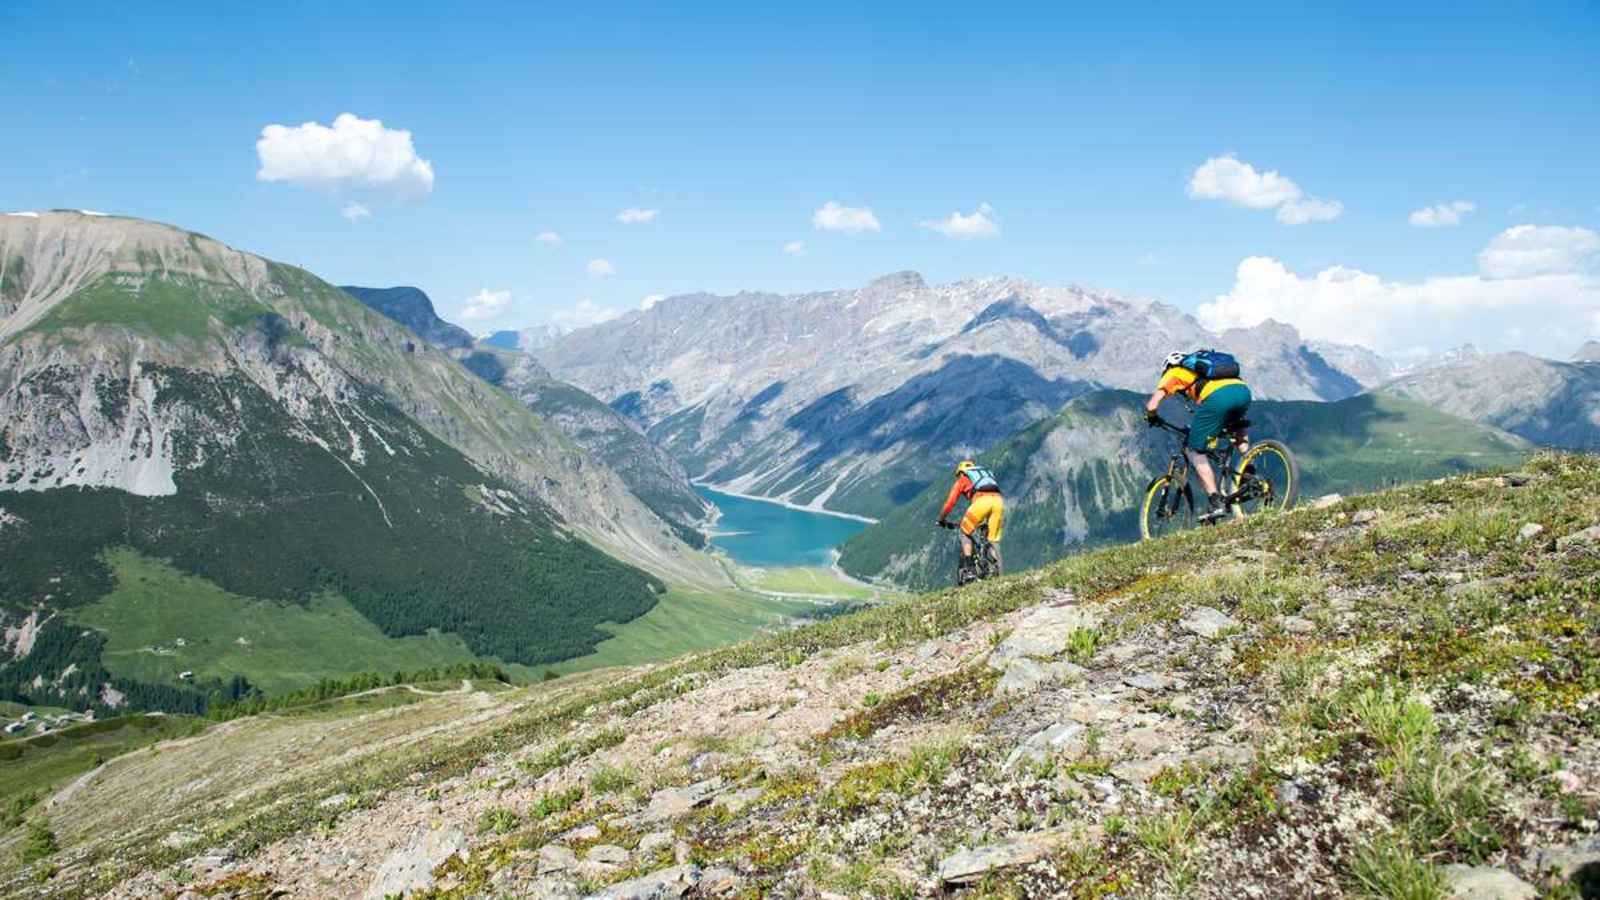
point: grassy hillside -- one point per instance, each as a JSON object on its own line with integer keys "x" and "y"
{"x": 417, "y": 538}
{"x": 159, "y": 622}
{"x": 1076, "y": 479}
{"x": 1365, "y": 700}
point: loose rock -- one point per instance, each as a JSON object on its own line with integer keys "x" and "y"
{"x": 969, "y": 866}
{"x": 661, "y": 885}
{"x": 669, "y": 803}
{"x": 556, "y": 858}
{"x": 1206, "y": 622}
{"x": 411, "y": 868}
{"x": 609, "y": 854}
{"x": 1043, "y": 633}
{"x": 1530, "y": 531}
{"x": 1486, "y": 883}
{"x": 1327, "y": 501}
{"x": 1590, "y": 535}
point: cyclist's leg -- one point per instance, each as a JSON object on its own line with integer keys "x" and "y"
{"x": 1204, "y": 427}
{"x": 994, "y": 512}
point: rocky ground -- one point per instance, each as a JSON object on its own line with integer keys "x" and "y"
{"x": 1394, "y": 695}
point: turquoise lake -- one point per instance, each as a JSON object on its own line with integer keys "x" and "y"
{"x": 766, "y": 534}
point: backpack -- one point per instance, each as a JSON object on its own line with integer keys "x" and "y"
{"x": 1212, "y": 365}
{"x": 982, "y": 479}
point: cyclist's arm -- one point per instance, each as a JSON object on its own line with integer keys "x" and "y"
{"x": 956, "y": 490}
{"x": 1154, "y": 403}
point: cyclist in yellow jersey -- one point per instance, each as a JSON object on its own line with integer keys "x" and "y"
{"x": 1219, "y": 402}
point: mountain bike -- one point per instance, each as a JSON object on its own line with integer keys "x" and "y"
{"x": 984, "y": 563}
{"x": 1267, "y": 479}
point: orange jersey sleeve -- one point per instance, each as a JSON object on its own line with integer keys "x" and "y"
{"x": 963, "y": 485}
{"x": 1176, "y": 380}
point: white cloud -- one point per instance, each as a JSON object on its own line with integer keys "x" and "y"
{"x": 601, "y": 268}
{"x": 980, "y": 224}
{"x": 355, "y": 212}
{"x": 633, "y": 215}
{"x": 1310, "y": 209}
{"x": 485, "y": 304}
{"x": 584, "y": 313}
{"x": 355, "y": 154}
{"x": 1443, "y": 215}
{"x": 848, "y": 219}
{"x": 651, "y": 300}
{"x": 549, "y": 237}
{"x": 795, "y": 248}
{"x": 1527, "y": 250}
{"x": 1349, "y": 305}
{"x": 1228, "y": 179}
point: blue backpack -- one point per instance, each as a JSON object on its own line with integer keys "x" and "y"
{"x": 1212, "y": 365}
{"x": 982, "y": 479}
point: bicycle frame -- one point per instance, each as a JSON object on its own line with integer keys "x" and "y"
{"x": 1221, "y": 456}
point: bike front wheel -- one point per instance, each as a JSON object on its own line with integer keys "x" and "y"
{"x": 1272, "y": 482}
{"x": 1168, "y": 508}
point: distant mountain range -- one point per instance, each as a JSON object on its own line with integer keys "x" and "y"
{"x": 1551, "y": 403}
{"x": 848, "y": 400}
{"x": 1076, "y": 478}
{"x": 259, "y": 429}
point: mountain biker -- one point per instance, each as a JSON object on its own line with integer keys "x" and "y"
{"x": 1218, "y": 403}
{"x": 984, "y": 507}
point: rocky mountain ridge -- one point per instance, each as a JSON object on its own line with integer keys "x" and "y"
{"x": 650, "y": 474}
{"x": 839, "y": 399}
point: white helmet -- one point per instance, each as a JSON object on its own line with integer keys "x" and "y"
{"x": 1175, "y": 359}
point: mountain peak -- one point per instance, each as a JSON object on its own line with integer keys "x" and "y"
{"x": 412, "y": 308}
{"x": 1589, "y": 352}
{"x": 905, "y": 280}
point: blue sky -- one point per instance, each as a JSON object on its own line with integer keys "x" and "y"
{"x": 1082, "y": 130}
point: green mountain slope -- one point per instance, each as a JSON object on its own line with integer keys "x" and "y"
{"x": 1076, "y": 479}
{"x": 649, "y": 472}
{"x": 265, "y": 433}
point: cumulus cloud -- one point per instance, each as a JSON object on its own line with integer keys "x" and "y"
{"x": 1527, "y": 250}
{"x": 600, "y": 268}
{"x": 353, "y": 155}
{"x": 1309, "y": 209}
{"x": 651, "y": 300}
{"x": 979, "y": 224}
{"x": 485, "y": 304}
{"x": 1443, "y": 215}
{"x": 1534, "y": 311}
{"x": 355, "y": 212}
{"x": 633, "y": 215}
{"x": 795, "y": 248}
{"x": 1231, "y": 180}
{"x": 584, "y": 313}
{"x": 548, "y": 237}
{"x": 832, "y": 216}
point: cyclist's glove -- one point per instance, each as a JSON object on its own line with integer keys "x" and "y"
{"x": 1152, "y": 417}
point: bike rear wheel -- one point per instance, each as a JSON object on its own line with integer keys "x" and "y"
{"x": 1167, "y": 508}
{"x": 1273, "y": 484}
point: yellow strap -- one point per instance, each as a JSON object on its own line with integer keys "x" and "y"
{"x": 1211, "y": 386}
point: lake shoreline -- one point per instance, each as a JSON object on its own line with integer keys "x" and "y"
{"x": 784, "y": 503}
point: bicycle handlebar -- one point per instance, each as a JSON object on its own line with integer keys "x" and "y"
{"x": 1176, "y": 429}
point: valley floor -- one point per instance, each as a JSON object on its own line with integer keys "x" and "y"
{"x": 1396, "y": 696}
